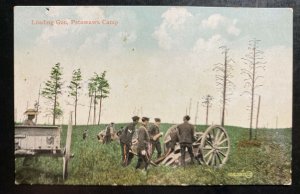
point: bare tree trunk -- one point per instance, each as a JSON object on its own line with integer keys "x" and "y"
{"x": 252, "y": 95}
{"x": 94, "y": 119}
{"x": 75, "y": 106}
{"x": 207, "y": 107}
{"x": 90, "y": 110}
{"x": 55, "y": 98}
{"x": 196, "y": 116}
{"x": 190, "y": 106}
{"x": 38, "y": 104}
{"x": 257, "y": 116}
{"x": 224, "y": 88}
{"x": 100, "y": 107}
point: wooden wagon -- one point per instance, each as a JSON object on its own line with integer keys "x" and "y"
{"x": 38, "y": 140}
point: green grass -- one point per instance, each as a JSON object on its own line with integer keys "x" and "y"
{"x": 97, "y": 164}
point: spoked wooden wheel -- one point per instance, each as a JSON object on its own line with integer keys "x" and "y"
{"x": 215, "y": 146}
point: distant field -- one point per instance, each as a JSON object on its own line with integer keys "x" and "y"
{"x": 268, "y": 159}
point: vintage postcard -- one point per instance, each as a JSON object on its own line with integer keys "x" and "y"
{"x": 115, "y": 95}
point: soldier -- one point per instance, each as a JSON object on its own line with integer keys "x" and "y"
{"x": 84, "y": 135}
{"x": 125, "y": 140}
{"x": 174, "y": 138}
{"x": 154, "y": 137}
{"x": 30, "y": 116}
{"x": 109, "y": 129}
{"x": 143, "y": 141}
{"x": 185, "y": 133}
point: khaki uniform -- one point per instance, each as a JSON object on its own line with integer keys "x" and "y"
{"x": 154, "y": 130}
{"x": 143, "y": 141}
{"x": 185, "y": 132}
{"x": 125, "y": 142}
{"x": 107, "y": 138}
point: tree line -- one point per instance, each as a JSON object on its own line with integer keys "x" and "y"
{"x": 98, "y": 86}
{"x": 98, "y": 89}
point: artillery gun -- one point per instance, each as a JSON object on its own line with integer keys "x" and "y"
{"x": 212, "y": 145}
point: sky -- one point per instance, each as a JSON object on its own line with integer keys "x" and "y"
{"x": 158, "y": 60}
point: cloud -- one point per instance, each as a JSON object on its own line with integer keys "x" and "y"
{"x": 232, "y": 29}
{"x": 92, "y": 44}
{"x": 175, "y": 17}
{"x": 217, "y": 22}
{"x": 212, "y": 43}
{"x": 213, "y": 21}
{"x": 163, "y": 38}
{"x": 52, "y": 32}
{"x": 174, "y": 20}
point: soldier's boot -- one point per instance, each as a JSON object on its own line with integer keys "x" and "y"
{"x": 198, "y": 160}
{"x": 130, "y": 156}
{"x": 158, "y": 155}
{"x": 192, "y": 160}
{"x": 183, "y": 160}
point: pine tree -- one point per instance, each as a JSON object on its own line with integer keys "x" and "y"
{"x": 75, "y": 86}
{"x": 52, "y": 90}
{"x": 91, "y": 89}
{"x": 103, "y": 90}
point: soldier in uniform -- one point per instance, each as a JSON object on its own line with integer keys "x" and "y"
{"x": 125, "y": 140}
{"x": 174, "y": 138}
{"x": 107, "y": 138}
{"x": 30, "y": 116}
{"x": 153, "y": 132}
{"x": 84, "y": 135}
{"x": 185, "y": 133}
{"x": 142, "y": 147}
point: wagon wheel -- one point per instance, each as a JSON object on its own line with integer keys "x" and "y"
{"x": 67, "y": 153}
{"x": 215, "y": 146}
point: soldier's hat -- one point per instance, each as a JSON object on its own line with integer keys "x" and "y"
{"x": 187, "y": 117}
{"x": 157, "y": 119}
{"x": 135, "y": 118}
{"x": 145, "y": 119}
{"x": 30, "y": 111}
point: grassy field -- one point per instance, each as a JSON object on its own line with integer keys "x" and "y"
{"x": 268, "y": 159}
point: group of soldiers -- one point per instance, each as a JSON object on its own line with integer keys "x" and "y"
{"x": 147, "y": 137}
{"x": 148, "y": 141}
